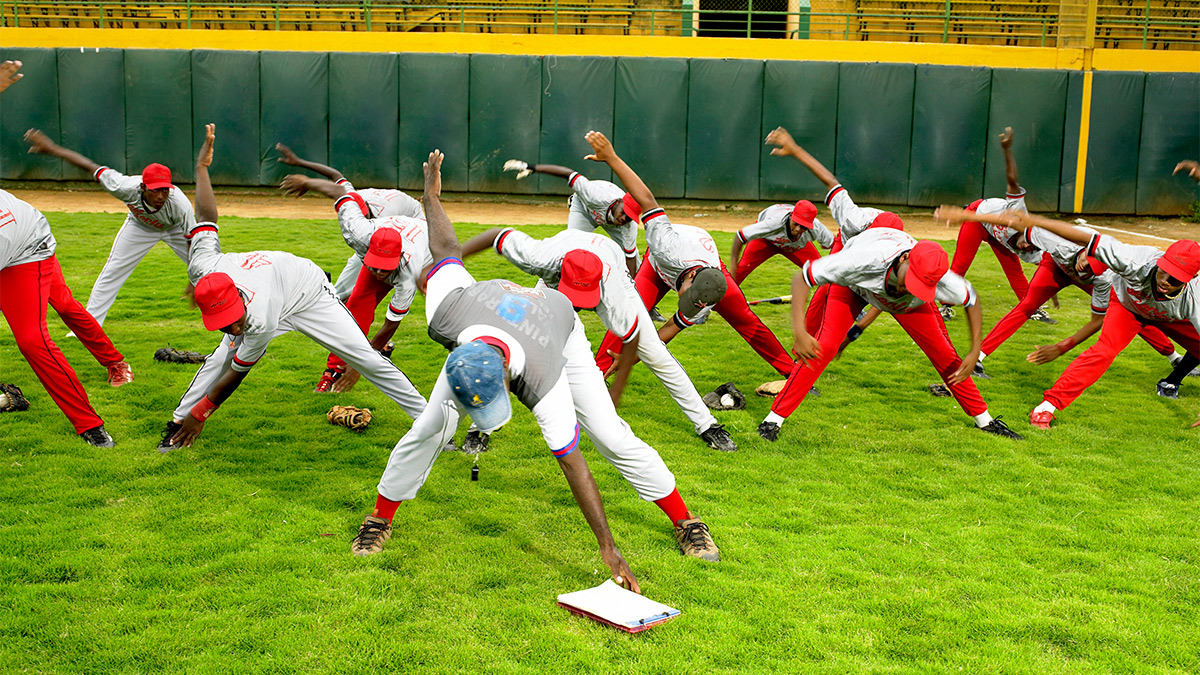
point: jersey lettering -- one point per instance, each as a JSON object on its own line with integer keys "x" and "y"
{"x": 513, "y": 308}
{"x": 255, "y": 260}
{"x": 7, "y": 218}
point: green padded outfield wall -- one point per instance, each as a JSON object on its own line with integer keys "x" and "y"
{"x": 875, "y": 110}
{"x": 364, "y": 106}
{"x": 895, "y": 134}
{"x": 1037, "y": 123}
{"x": 225, "y": 92}
{"x": 650, "y": 121}
{"x": 158, "y": 86}
{"x": 1170, "y": 132}
{"x": 577, "y": 96}
{"x": 294, "y": 109}
{"x": 724, "y": 128}
{"x": 434, "y": 113}
{"x": 32, "y": 103}
{"x": 802, "y": 97}
{"x": 91, "y": 108}
{"x": 950, "y": 121}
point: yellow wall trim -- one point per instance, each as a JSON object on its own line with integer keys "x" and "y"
{"x": 604, "y": 45}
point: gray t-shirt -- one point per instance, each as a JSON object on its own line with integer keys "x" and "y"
{"x": 539, "y": 319}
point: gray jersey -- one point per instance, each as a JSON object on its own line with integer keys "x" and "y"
{"x": 851, "y": 218}
{"x": 414, "y": 257}
{"x": 385, "y": 203}
{"x": 675, "y": 249}
{"x": 175, "y": 214}
{"x": 1063, "y": 254}
{"x": 619, "y": 301}
{"x": 539, "y": 320}
{"x": 273, "y": 284}
{"x": 24, "y": 233}
{"x": 591, "y": 208}
{"x": 774, "y": 225}
{"x": 1134, "y": 269}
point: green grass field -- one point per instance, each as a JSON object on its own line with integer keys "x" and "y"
{"x": 882, "y": 533}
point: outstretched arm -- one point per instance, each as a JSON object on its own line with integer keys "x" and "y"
{"x": 221, "y": 390}
{"x": 290, "y": 158}
{"x": 480, "y": 242}
{"x": 975, "y": 323}
{"x": 1047, "y": 353}
{"x": 523, "y": 169}
{"x": 804, "y": 345}
{"x": 602, "y": 151}
{"x": 443, "y": 242}
{"x": 786, "y": 146}
{"x": 206, "y": 201}
{"x": 1010, "y": 163}
{"x": 40, "y": 144}
{"x": 9, "y": 74}
{"x": 1015, "y": 220}
{"x": 583, "y": 486}
{"x": 297, "y": 185}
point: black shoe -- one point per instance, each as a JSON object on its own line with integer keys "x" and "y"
{"x": 718, "y": 439}
{"x": 1042, "y": 316}
{"x": 947, "y": 312}
{"x": 165, "y": 446}
{"x": 655, "y": 316}
{"x": 978, "y": 373}
{"x": 475, "y": 442}
{"x": 98, "y": 437}
{"x": 999, "y": 428}
{"x": 769, "y": 431}
{"x": 1167, "y": 389}
{"x": 814, "y": 392}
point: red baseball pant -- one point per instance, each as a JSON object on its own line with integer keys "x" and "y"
{"x": 367, "y": 294}
{"x": 970, "y": 235}
{"x": 90, "y": 333}
{"x": 923, "y": 324}
{"x": 1047, "y": 280}
{"x": 1120, "y": 325}
{"x": 758, "y": 251}
{"x": 24, "y": 296}
{"x": 732, "y": 308}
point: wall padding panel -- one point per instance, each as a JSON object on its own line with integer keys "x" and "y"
{"x": 31, "y": 103}
{"x": 91, "y": 108}
{"x": 1037, "y": 123}
{"x": 506, "y": 98}
{"x": 434, "y": 113}
{"x": 1170, "y": 133}
{"x": 949, "y": 137}
{"x": 158, "y": 111}
{"x": 577, "y": 96}
{"x": 802, "y": 97}
{"x": 225, "y": 92}
{"x": 1116, "y": 132}
{"x": 724, "y": 128}
{"x": 875, "y": 107}
{"x": 294, "y": 109}
{"x": 364, "y": 113}
{"x": 650, "y": 121}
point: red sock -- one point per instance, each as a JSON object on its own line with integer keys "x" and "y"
{"x": 385, "y": 508}
{"x": 672, "y": 505}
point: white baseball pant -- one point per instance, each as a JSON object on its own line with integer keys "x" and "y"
{"x": 132, "y": 244}
{"x": 579, "y": 397}
{"x": 667, "y": 369}
{"x": 345, "y": 281}
{"x": 329, "y": 324}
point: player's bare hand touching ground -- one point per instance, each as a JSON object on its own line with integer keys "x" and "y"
{"x": 189, "y": 432}
{"x": 964, "y": 370}
{"x": 346, "y": 382}
{"x": 9, "y": 74}
{"x": 433, "y": 173}
{"x": 621, "y": 573}
{"x": 1191, "y": 166}
{"x": 295, "y": 185}
{"x": 1042, "y": 354}
{"x": 785, "y": 145}
{"x": 602, "y": 149}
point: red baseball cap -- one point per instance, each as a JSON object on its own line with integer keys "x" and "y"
{"x": 803, "y": 214}
{"x": 580, "y": 278}
{"x": 1182, "y": 260}
{"x": 219, "y": 302}
{"x": 889, "y": 220}
{"x": 384, "y": 250}
{"x": 156, "y": 176}
{"x": 927, "y": 264}
{"x": 632, "y": 208}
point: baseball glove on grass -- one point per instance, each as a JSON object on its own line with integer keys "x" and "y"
{"x": 725, "y": 397}
{"x": 173, "y": 355}
{"x": 11, "y": 398}
{"x": 770, "y": 389}
{"x": 354, "y": 419}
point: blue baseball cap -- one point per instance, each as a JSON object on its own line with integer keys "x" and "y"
{"x": 475, "y": 372}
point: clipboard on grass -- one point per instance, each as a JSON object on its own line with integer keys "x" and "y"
{"x": 610, "y": 604}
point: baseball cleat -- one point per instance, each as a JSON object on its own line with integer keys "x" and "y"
{"x": 98, "y": 437}
{"x": 1168, "y": 389}
{"x": 655, "y": 316}
{"x": 325, "y": 384}
{"x": 165, "y": 445}
{"x": 1041, "y": 315}
{"x": 999, "y": 428}
{"x": 694, "y": 540}
{"x": 1042, "y": 419}
{"x": 769, "y": 431}
{"x": 718, "y": 439}
{"x": 979, "y": 372}
{"x": 814, "y": 392}
{"x": 120, "y": 373}
{"x": 940, "y": 390}
{"x": 947, "y": 312}
{"x": 475, "y": 442}
{"x": 372, "y": 535}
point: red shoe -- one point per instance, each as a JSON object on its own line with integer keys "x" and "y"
{"x": 1042, "y": 419}
{"x": 325, "y": 384}
{"x": 120, "y": 373}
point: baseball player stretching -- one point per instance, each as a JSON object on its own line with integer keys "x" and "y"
{"x": 683, "y": 259}
{"x": 391, "y": 252}
{"x": 1151, "y": 288}
{"x": 881, "y": 265}
{"x": 253, "y": 298}
{"x": 595, "y": 203}
{"x": 972, "y": 233}
{"x": 158, "y": 211}
{"x": 1063, "y": 264}
{"x": 29, "y": 276}
{"x": 588, "y": 268}
{"x": 506, "y": 337}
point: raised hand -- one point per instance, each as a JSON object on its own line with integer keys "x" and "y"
{"x": 1190, "y": 166}
{"x": 206, "y": 150}
{"x": 433, "y": 173}
{"x": 602, "y": 149}
{"x": 522, "y": 168}
{"x": 39, "y": 143}
{"x": 1006, "y": 138}
{"x": 286, "y": 156}
{"x": 294, "y": 184}
{"x": 785, "y": 144}
{"x": 9, "y": 74}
